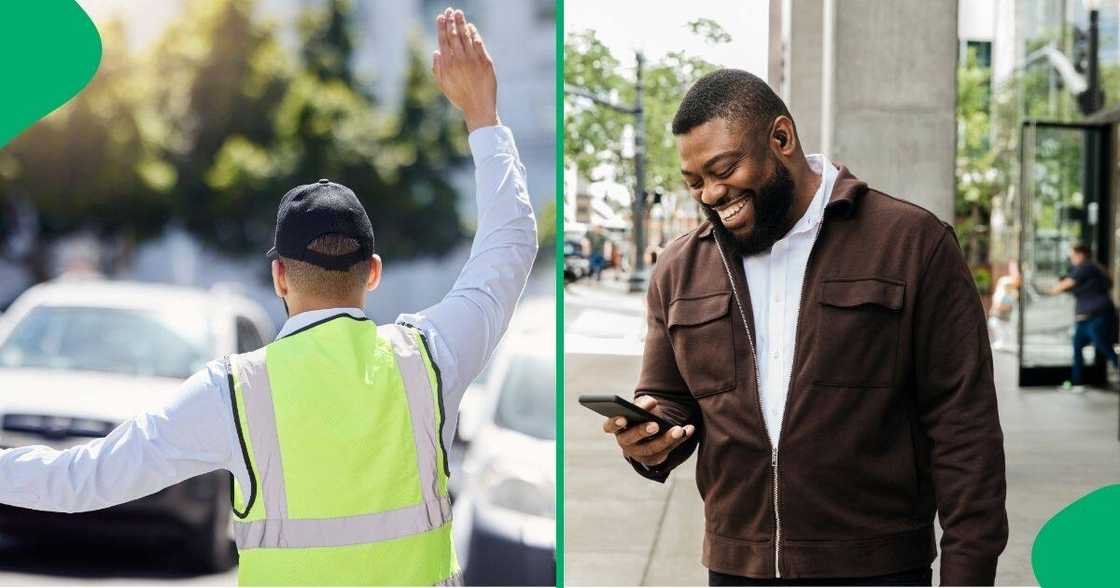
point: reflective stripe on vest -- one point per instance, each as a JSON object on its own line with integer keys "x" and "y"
{"x": 380, "y": 516}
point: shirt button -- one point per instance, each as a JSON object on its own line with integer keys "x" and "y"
{"x": 775, "y": 354}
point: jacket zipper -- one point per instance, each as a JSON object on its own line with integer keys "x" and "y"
{"x": 777, "y": 515}
{"x": 758, "y": 387}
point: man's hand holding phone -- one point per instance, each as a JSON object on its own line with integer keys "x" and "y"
{"x": 645, "y": 442}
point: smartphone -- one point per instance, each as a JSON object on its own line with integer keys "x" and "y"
{"x": 616, "y": 406}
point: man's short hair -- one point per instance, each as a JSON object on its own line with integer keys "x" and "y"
{"x": 1081, "y": 248}
{"x": 321, "y": 283}
{"x": 735, "y": 95}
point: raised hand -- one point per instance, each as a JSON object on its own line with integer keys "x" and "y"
{"x": 464, "y": 70}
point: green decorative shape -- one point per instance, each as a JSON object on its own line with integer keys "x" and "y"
{"x": 1080, "y": 546}
{"x": 49, "y": 51}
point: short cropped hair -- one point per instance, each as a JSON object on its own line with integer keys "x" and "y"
{"x": 737, "y": 96}
{"x": 325, "y": 284}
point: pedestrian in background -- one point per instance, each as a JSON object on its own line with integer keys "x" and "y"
{"x": 337, "y": 432}
{"x": 1094, "y": 312}
{"x": 1005, "y": 302}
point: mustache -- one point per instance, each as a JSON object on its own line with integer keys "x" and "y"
{"x": 729, "y": 198}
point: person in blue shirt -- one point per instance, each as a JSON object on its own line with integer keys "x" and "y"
{"x": 1095, "y": 313}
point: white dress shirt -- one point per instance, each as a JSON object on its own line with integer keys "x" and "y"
{"x": 194, "y": 433}
{"x": 775, "y": 279}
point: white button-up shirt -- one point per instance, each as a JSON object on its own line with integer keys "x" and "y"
{"x": 194, "y": 433}
{"x": 775, "y": 279}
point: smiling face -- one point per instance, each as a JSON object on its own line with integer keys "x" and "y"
{"x": 741, "y": 183}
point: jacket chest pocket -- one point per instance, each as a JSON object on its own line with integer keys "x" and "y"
{"x": 700, "y": 330}
{"x": 857, "y": 334}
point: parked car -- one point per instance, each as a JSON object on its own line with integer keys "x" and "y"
{"x": 505, "y": 513}
{"x": 474, "y": 401}
{"x": 77, "y": 358}
{"x": 576, "y": 266}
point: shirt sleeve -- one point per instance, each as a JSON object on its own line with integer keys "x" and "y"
{"x": 463, "y": 328}
{"x": 1078, "y": 274}
{"x": 187, "y": 436}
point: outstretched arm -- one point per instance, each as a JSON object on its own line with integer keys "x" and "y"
{"x": 190, "y": 435}
{"x": 464, "y": 328}
{"x": 1064, "y": 285}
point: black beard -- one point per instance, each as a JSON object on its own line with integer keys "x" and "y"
{"x": 771, "y": 204}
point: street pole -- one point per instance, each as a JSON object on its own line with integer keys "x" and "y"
{"x": 1096, "y": 96}
{"x": 637, "y": 282}
{"x": 1092, "y": 99}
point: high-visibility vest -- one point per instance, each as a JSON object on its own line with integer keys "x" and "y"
{"x": 340, "y": 426}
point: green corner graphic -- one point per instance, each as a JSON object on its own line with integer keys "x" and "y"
{"x": 50, "y": 50}
{"x": 1080, "y": 546}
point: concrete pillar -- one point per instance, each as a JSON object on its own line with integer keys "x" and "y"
{"x": 802, "y": 69}
{"x": 872, "y": 84}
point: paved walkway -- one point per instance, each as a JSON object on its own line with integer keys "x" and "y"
{"x": 624, "y": 530}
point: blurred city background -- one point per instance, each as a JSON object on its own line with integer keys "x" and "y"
{"x": 133, "y": 225}
{"x": 997, "y": 115}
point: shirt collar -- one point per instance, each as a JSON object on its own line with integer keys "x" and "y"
{"x": 815, "y": 212}
{"x": 304, "y": 319}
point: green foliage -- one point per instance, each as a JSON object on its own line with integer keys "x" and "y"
{"x": 217, "y": 120}
{"x": 328, "y": 44}
{"x": 90, "y": 165}
{"x": 709, "y": 29}
{"x": 983, "y": 155}
{"x": 988, "y": 148}
{"x": 593, "y": 135}
{"x": 983, "y": 279}
{"x": 416, "y": 213}
{"x": 221, "y": 80}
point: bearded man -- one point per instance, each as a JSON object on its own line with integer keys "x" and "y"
{"x": 823, "y": 345}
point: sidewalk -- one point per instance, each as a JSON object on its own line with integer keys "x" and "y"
{"x": 624, "y": 530}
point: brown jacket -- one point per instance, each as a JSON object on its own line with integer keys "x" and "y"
{"x": 891, "y": 413}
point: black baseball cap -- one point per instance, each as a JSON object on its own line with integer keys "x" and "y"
{"x": 310, "y": 211}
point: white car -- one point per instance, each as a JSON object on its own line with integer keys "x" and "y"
{"x": 79, "y": 357}
{"x": 505, "y": 510}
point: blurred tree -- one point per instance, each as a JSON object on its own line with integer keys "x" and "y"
{"x": 215, "y": 123}
{"x": 328, "y": 44}
{"x": 417, "y": 214}
{"x": 594, "y": 135}
{"x": 709, "y": 29}
{"x": 221, "y": 79}
{"x": 294, "y": 125}
{"x": 978, "y": 177}
{"x": 989, "y": 124}
{"x": 88, "y": 166}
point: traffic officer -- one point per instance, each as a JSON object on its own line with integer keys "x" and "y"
{"x": 336, "y": 432}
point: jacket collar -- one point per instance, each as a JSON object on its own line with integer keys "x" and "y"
{"x": 845, "y": 196}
